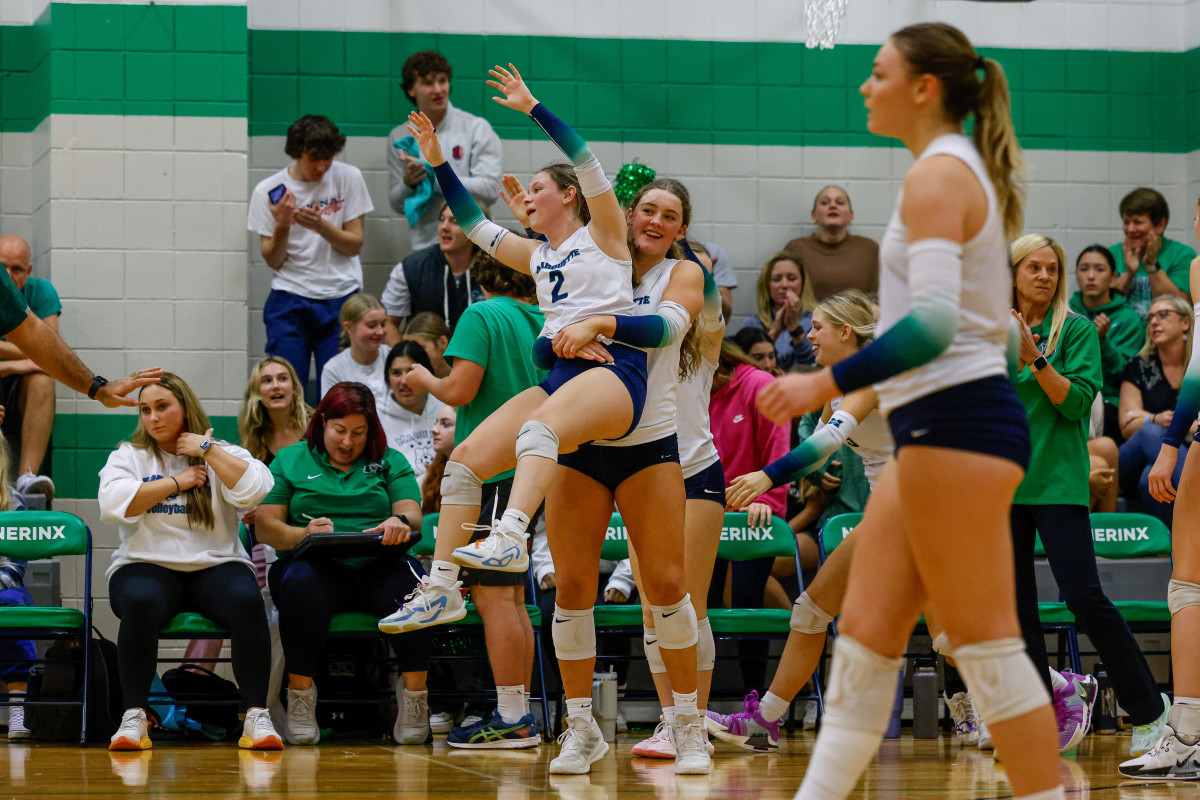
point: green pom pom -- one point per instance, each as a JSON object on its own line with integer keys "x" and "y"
{"x": 630, "y": 179}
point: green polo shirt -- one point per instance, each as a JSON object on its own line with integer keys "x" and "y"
{"x": 1059, "y": 464}
{"x": 1174, "y": 258}
{"x": 355, "y": 500}
{"x": 13, "y": 306}
{"x": 498, "y": 335}
{"x": 42, "y": 297}
{"x": 1126, "y": 335}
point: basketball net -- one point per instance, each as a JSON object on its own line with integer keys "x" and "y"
{"x": 824, "y": 19}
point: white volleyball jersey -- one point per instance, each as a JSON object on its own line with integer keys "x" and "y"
{"x": 697, "y": 450}
{"x": 872, "y": 440}
{"x": 978, "y": 348}
{"x": 662, "y": 367}
{"x": 578, "y": 280}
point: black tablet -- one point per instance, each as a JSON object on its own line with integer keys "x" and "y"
{"x": 350, "y": 545}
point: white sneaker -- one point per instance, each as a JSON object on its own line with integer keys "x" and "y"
{"x": 441, "y": 722}
{"x": 28, "y": 483}
{"x": 1169, "y": 760}
{"x": 691, "y": 754}
{"x": 985, "y": 737}
{"x": 582, "y": 744}
{"x": 659, "y": 745}
{"x": 16, "y": 724}
{"x": 499, "y": 550}
{"x": 301, "y": 726}
{"x": 966, "y": 720}
{"x": 428, "y": 604}
{"x": 258, "y": 733}
{"x": 133, "y": 732}
{"x": 412, "y": 716}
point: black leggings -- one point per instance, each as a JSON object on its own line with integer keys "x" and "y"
{"x": 308, "y": 593}
{"x": 1067, "y": 537}
{"x": 145, "y": 596}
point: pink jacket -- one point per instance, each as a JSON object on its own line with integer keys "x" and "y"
{"x": 746, "y": 440}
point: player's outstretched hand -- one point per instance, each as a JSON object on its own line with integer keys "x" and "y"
{"x": 422, "y": 130}
{"x": 516, "y": 94}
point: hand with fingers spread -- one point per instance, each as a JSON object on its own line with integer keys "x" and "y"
{"x": 113, "y": 394}
{"x": 423, "y": 131}
{"x": 513, "y": 195}
{"x": 745, "y": 488}
{"x": 516, "y": 94}
{"x": 1162, "y": 488}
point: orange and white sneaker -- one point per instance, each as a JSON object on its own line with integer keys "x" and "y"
{"x": 133, "y": 732}
{"x": 258, "y": 733}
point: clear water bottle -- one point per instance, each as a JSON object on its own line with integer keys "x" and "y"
{"x": 925, "y": 700}
{"x": 1104, "y": 719}
{"x": 893, "y": 729}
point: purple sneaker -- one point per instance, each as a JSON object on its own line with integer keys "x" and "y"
{"x": 1073, "y": 709}
{"x": 747, "y": 729}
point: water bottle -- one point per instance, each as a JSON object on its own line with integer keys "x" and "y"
{"x": 925, "y": 700}
{"x": 604, "y": 703}
{"x": 893, "y": 729}
{"x": 1104, "y": 720}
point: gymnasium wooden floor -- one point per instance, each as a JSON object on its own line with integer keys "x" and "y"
{"x": 905, "y": 768}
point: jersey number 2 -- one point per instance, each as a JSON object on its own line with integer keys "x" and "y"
{"x": 556, "y": 292}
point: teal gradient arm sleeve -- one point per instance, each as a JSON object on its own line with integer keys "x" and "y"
{"x": 935, "y": 283}
{"x": 467, "y": 212}
{"x": 1188, "y": 404}
{"x": 710, "y": 314}
{"x": 567, "y": 140}
{"x": 813, "y": 451}
{"x": 543, "y": 353}
{"x": 653, "y": 330}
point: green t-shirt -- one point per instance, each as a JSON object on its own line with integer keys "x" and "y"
{"x": 42, "y": 297}
{"x": 355, "y": 500}
{"x": 1059, "y": 463}
{"x": 1126, "y": 335}
{"x": 13, "y": 305}
{"x": 1174, "y": 258}
{"x": 498, "y": 335}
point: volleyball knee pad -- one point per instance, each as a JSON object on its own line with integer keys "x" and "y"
{"x": 1001, "y": 678}
{"x": 461, "y": 486}
{"x": 706, "y": 646}
{"x": 941, "y": 645}
{"x": 574, "y": 634}
{"x": 675, "y": 624}
{"x": 653, "y": 654}
{"x": 537, "y": 439}
{"x": 808, "y": 617}
{"x": 1181, "y": 594}
{"x": 862, "y": 687}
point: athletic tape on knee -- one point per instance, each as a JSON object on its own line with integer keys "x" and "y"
{"x": 1181, "y": 594}
{"x": 537, "y": 439}
{"x": 706, "y": 646}
{"x": 808, "y": 617}
{"x": 574, "y": 634}
{"x": 461, "y": 486}
{"x": 941, "y": 645}
{"x": 862, "y": 687}
{"x": 1001, "y": 678}
{"x": 675, "y": 624}
{"x": 653, "y": 654}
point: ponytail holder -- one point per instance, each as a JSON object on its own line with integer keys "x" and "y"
{"x": 979, "y": 64}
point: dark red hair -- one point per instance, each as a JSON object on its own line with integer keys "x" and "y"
{"x": 342, "y": 400}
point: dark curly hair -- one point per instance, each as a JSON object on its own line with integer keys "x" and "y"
{"x": 315, "y": 135}
{"x": 495, "y": 278}
{"x": 426, "y": 62}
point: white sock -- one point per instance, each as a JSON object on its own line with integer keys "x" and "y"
{"x": 443, "y": 573}
{"x": 510, "y": 703}
{"x": 1057, "y": 680}
{"x": 772, "y": 707}
{"x": 1057, "y": 793}
{"x": 1184, "y": 719}
{"x": 525, "y": 698}
{"x": 685, "y": 704}
{"x": 514, "y": 522}
{"x": 579, "y": 707}
{"x": 668, "y": 714}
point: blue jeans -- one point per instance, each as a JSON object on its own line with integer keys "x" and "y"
{"x": 1136, "y": 459}
{"x": 299, "y": 328}
{"x": 15, "y": 654}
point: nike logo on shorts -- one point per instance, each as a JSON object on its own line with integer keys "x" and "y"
{"x": 711, "y": 491}
{"x": 917, "y": 434}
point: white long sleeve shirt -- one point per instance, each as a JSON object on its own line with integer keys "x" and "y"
{"x": 162, "y": 534}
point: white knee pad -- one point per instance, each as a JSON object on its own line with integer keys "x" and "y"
{"x": 574, "y": 634}
{"x": 461, "y": 486}
{"x": 675, "y": 624}
{"x": 941, "y": 645}
{"x": 536, "y": 439}
{"x": 1181, "y": 594}
{"x": 653, "y": 654}
{"x": 706, "y": 646}
{"x": 1002, "y": 680}
{"x": 808, "y": 617}
{"x": 862, "y": 687}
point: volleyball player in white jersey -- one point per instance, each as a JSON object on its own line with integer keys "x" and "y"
{"x": 583, "y": 269}
{"x": 939, "y": 367}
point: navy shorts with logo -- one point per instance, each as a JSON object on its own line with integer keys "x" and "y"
{"x": 708, "y": 484}
{"x": 610, "y": 466}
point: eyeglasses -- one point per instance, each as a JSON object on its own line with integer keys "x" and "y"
{"x": 1164, "y": 314}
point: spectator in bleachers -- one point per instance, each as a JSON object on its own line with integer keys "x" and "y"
{"x": 757, "y": 344}
{"x": 431, "y": 332}
{"x": 363, "y": 355}
{"x": 311, "y": 236}
{"x": 174, "y": 493}
{"x": 836, "y": 259}
{"x": 436, "y": 279}
{"x": 785, "y": 304}
{"x": 723, "y": 274}
{"x": 27, "y": 392}
{"x": 342, "y": 476}
{"x": 443, "y": 446}
{"x": 1120, "y": 328}
{"x": 1058, "y": 379}
{"x": 1149, "y": 390}
{"x": 468, "y": 141}
{"x": 408, "y": 414}
{"x": 16, "y": 655}
{"x": 1149, "y": 265}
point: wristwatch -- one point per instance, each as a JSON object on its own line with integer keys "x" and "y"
{"x": 1151, "y": 268}
{"x": 97, "y": 382}
{"x": 207, "y": 443}
{"x": 1038, "y": 364}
